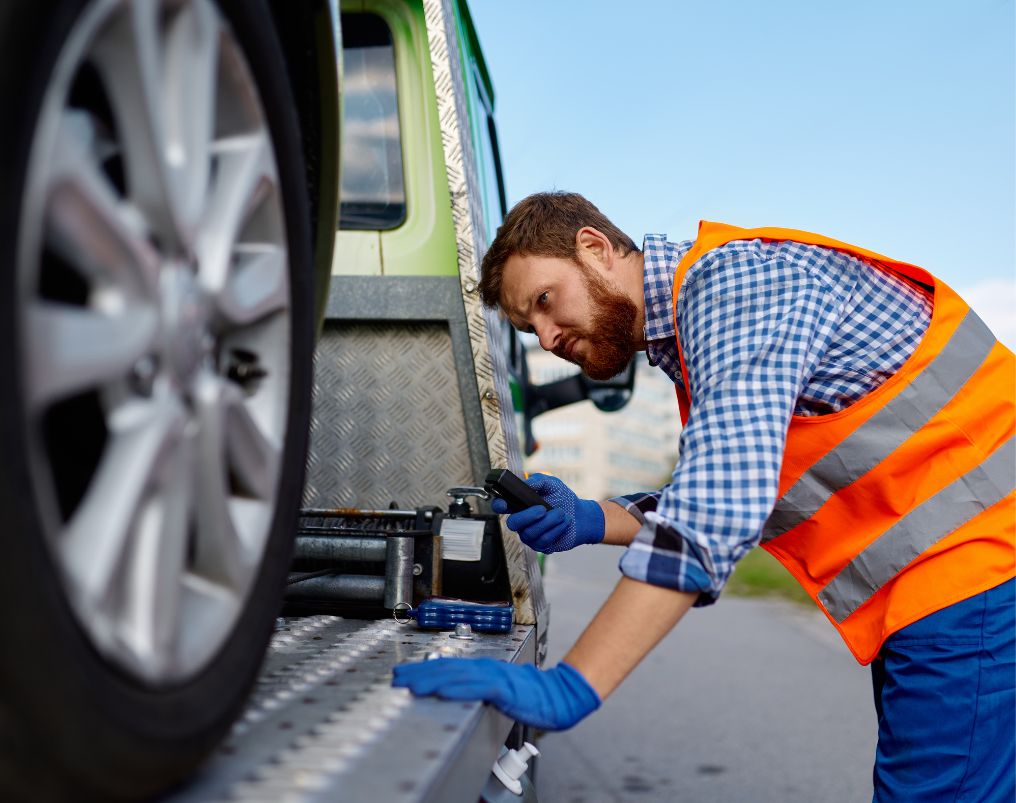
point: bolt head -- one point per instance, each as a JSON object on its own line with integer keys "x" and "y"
{"x": 143, "y": 374}
{"x": 463, "y": 631}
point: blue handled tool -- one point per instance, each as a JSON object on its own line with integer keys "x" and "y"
{"x": 443, "y": 613}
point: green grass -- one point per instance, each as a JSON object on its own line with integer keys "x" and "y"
{"x": 759, "y": 574}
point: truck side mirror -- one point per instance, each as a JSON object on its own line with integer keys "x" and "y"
{"x": 610, "y": 395}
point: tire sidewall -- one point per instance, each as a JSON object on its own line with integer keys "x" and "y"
{"x": 109, "y": 735}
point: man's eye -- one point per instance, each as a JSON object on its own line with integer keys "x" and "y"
{"x": 542, "y": 300}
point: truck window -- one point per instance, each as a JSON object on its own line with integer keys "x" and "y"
{"x": 488, "y": 158}
{"x": 373, "y": 194}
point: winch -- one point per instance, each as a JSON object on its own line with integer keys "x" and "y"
{"x": 371, "y": 563}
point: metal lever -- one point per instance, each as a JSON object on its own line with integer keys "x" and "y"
{"x": 458, "y": 494}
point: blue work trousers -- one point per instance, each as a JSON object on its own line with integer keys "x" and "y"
{"x": 944, "y": 694}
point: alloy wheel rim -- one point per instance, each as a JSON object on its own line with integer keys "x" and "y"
{"x": 154, "y": 330}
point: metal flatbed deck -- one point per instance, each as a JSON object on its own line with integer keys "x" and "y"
{"x": 324, "y": 723}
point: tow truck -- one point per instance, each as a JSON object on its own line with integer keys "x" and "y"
{"x": 212, "y": 575}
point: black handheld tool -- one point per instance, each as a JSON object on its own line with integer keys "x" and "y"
{"x": 517, "y": 495}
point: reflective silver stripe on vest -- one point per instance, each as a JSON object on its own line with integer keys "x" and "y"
{"x": 919, "y": 530}
{"x": 879, "y": 436}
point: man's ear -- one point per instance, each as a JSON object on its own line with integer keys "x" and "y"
{"x": 593, "y": 247}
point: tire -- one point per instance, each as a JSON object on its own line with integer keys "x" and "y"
{"x": 153, "y": 454}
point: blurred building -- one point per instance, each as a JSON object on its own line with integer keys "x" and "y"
{"x": 606, "y": 454}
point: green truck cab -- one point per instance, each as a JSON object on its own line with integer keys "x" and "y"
{"x": 422, "y": 193}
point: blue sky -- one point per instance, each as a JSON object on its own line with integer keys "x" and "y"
{"x": 888, "y": 124}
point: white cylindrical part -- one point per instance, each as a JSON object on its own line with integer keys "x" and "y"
{"x": 512, "y": 766}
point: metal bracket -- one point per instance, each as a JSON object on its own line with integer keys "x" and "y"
{"x": 459, "y": 494}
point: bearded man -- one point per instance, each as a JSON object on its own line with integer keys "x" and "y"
{"x": 847, "y": 411}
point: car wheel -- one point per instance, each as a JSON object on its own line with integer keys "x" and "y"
{"x": 157, "y": 325}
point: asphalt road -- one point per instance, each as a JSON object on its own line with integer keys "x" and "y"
{"x": 746, "y": 701}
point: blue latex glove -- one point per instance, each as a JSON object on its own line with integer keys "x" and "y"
{"x": 571, "y": 522}
{"x": 551, "y": 699}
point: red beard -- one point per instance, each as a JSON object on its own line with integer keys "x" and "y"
{"x": 610, "y": 343}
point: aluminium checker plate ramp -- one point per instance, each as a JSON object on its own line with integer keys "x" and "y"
{"x": 324, "y": 723}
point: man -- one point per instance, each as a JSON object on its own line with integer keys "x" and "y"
{"x": 847, "y": 411}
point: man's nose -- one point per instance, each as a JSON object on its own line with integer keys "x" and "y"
{"x": 549, "y": 336}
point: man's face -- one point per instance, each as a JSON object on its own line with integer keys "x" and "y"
{"x": 578, "y": 313}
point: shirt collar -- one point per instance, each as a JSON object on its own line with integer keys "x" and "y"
{"x": 660, "y": 260}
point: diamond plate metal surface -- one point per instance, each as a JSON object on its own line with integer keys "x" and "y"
{"x": 388, "y": 422}
{"x": 484, "y": 328}
{"x": 324, "y": 723}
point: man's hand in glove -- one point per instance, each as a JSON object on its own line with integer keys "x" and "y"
{"x": 570, "y": 522}
{"x": 551, "y": 699}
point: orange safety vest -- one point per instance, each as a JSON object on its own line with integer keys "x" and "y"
{"x": 903, "y": 503}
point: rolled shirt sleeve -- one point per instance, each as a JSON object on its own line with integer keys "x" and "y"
{"x": 638, "y": 504}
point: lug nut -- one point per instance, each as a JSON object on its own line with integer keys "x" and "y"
{"x": 244, "y": 369}
{"x": 142, "y": 377}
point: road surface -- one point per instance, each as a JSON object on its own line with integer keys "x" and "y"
{"x": 747, "y": 701}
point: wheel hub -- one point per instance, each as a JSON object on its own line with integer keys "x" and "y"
{"x": 186, "y": 313}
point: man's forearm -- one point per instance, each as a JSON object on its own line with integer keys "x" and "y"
{"x": 631, "y": 622}
{"x": 620, "y": 526}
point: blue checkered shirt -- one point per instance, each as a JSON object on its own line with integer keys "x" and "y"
{"x": 768, "y": 330}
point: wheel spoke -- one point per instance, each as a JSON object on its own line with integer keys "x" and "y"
{"x": 153, "y": 573}
{"x": 86, "y": 223}
{"x": 246, "y": 175}
{"x": 257, "y": 287}
{"x": 145, "y": 437}
{"x": 220, "y": 554}
{"x": 71, "y": 349}
{"x": 130, "y": 57}
{"x": 192, "y": 56}
{"x": 204, "y": 605}
{"x": 253, "y": 456}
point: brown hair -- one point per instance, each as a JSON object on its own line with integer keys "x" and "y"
{"x": 544, "y": 224}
